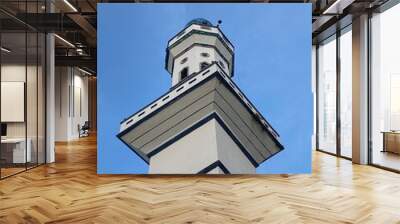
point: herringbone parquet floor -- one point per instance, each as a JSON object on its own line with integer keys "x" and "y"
{"x": 70, "y": 191}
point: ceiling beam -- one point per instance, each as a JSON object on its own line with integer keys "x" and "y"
{"x": 84, "y": 24}
{"x": 81, "y": 61}
{"x": 337, "y": 6}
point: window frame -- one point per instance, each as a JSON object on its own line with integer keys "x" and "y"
{"x": 336, "y": 36}
{"x": 186, "y": 75}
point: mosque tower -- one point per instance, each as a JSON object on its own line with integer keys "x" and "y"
{"x": 204, "y": 123}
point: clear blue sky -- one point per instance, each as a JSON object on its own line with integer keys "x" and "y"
{"x": 272, "y": 67}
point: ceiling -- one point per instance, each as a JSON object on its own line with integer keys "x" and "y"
{"x": 75, "y": 22}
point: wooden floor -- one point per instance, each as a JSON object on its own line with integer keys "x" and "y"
{"x": 5, "y": 172}
{"x": 70, "y": 191}
{"x": 386, "y": 159}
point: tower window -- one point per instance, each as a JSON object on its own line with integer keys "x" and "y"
{"x": 203, "y": 65}
{"x": 204, "y": 54}
{"x": 184, "y": 73}
{"x": 184, "y": 60}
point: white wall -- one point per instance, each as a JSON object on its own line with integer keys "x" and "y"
{"x": 62, "y": 81}
{"x": 14, "y": 73}
{"x": 13, "y": 101}
{"x": 79, "y": 117}
{"x": 194, "y": 59}
{"x": 71, "y": 92}
{"x": 230, "y": 154}
{"x": 17, "y": 73}
{"x": 188, "y": 155}
{"x": 199, "y": 149}
{"x": 33, "y": 126}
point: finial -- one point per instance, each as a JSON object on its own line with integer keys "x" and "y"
{"x": 219, "y": 22}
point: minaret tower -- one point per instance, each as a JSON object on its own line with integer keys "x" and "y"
{"x": 204, "y": 123}
{"x": 195, "y": 48}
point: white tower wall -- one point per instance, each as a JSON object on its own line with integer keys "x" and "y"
{"x": 192, "y": 59}
{"x": 198, "y": 150}
{"x": 189, "y": 154}
{"x": 231, "y": 155}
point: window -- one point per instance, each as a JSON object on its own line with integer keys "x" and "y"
{"x": 385, "y": 89}
{"x": 346, "y": 92}
{"x": 327, "y": 95}
{"x": 204, "y": 54}
{"x": 203, "y": 65}
{"x": 22, "y": 87}
{"x": 183, "y": 61}
{"x": 334, "y": 94}
{"x": 184, "y": 73}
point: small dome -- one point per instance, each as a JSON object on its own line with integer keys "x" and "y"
{"x": 199, "y": 21}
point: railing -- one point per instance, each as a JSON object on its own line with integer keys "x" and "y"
{"x": 175, "y": 92}
{"x": 185, "y": 86}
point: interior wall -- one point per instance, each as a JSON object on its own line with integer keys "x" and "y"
{"x": 16, "y": 73}
{"x": 71, "y": 102}
{"x": 62, "y": 81}
{"x": 80, "y": 112}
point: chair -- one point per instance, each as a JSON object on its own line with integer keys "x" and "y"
{"x": 84, "y": 130}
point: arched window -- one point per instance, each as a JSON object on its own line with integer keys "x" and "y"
{"x": 184, "y": 73}
{"x": 203, "y": 65}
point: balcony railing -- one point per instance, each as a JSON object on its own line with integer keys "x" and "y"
{"x": 185, "y": 86}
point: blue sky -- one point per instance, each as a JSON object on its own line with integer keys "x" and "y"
{"x": 272, "y": 67}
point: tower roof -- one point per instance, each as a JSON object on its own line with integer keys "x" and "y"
{"x": 153, "y": 128}
{"x": 199, "y": 21}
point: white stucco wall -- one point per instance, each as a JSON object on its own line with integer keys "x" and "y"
{"x": 202, "y": 28}
{"x": 199, "y": 149}
{"x": 230, "y": 154}
{"x": 189, "y": 154}
{"x": 79, "y": 117}
{"x": 194, "y": 58}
